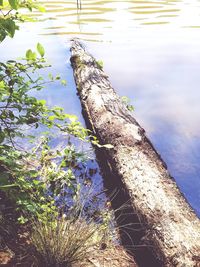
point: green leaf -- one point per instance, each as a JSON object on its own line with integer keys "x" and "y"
{"x": 40, "y": 50}
{"x": 2, "y": 34}
{"x": 22, "y": 220}
{"x": 34, "y": 56}
{"x": 9, "y": 26}
{"x": 100, "y": 64}
{"x": 33, "y": 174}
{"x": 51, "y": 118}
{"x": 130, "y": 108}
{"x": 2, "y": 84}
{"x": 72, "y": 118}
{"x": 14, "y": 4}
{"x": 50, "y": 76}
{"x": 1, "y": 2}
{"x": 36, "y": 182}
{"x": 41, "y": 8}
{"x": 125, "y": 99}
{"x": 64, "y": 82}
{"x": 57, "y": 77}
{"x": 42, "y": 102}
{"x": 28, "y": 54}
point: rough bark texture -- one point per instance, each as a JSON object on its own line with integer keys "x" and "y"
{"x": 172, "y": 230}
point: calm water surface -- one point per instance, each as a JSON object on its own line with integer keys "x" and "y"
{"x": 151, "y": 51}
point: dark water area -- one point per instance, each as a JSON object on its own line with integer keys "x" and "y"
{"x": 151, "y": 52}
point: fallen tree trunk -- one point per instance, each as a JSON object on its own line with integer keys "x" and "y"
{"x": 171, "y": 230}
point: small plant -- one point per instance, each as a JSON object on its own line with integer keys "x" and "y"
{"x": 65, "y": 241}
{"x": 99, "y": 64}
{"x": 127, "y": 101}
{"x": 74, "y": 235}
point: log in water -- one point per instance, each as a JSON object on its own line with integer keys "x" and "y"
{"x": 171, "y": 230}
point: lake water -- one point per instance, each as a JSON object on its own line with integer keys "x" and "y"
{"x": 151, "y": 52}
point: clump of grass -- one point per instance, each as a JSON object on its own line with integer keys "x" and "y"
{"x": 65, "y": 241}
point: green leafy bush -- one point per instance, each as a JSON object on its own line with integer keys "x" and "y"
{"x": 26, "y": 175}
{"x": 34, "y": 178}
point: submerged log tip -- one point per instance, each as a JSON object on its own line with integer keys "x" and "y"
{"x": 77, "y": 47}
{"x": 76, "y": 42}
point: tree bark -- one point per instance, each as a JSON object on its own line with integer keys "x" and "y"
{"x": 171, "y": 228}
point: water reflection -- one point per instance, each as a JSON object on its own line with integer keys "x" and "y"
{"x": 105, "y": 16}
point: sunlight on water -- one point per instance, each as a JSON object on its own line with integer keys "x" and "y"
{"x": 111, "y": 17}
{"x": 151, "y": 51}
